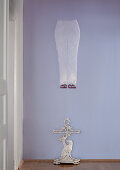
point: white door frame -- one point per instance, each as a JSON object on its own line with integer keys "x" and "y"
{"x": 16, "y": 81}
{"x": 11, "y": 85}
{"x": 10, "y": 75}
{"x": 6, "y": 133}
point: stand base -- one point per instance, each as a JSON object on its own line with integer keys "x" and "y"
{"x": 66, "y": 161}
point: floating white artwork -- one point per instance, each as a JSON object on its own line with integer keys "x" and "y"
{"x": 67, "y": 144}
{"x": 67, "y": 37}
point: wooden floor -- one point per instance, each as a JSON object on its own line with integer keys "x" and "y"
{"x": 82, "y": 166}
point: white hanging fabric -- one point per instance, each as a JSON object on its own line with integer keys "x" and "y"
{"x": 67, "y": 36}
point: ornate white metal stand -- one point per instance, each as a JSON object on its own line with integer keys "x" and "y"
{"x": 67, "y": 144}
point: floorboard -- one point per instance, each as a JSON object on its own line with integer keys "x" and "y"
{"x": 39, "y": 165}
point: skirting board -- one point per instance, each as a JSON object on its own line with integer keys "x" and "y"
{"x": 81, "y": 160}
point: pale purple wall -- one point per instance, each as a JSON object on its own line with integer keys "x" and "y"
{"x": 94, "y": 107}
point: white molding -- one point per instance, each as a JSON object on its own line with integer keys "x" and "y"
{"x": 3, "y": 86}
{"x": 18, "y": 84}
{"x": 10, "y": 79}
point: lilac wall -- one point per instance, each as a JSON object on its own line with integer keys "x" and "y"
{"x": 94, "y": 107}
